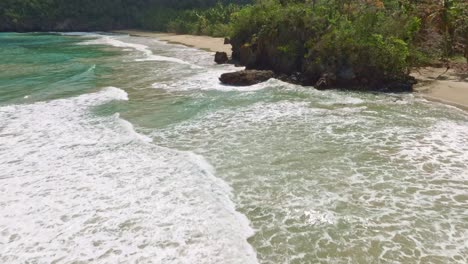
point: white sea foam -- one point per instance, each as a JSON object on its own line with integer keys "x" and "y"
{"x": 76, "y": 187}
{"x": 209, "y": 80}
{"x": 76, "y": 33}
{"x": 143, "y": 49}
{"x": 318, "y": 218}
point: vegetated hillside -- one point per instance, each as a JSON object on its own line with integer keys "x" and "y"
{"x": 88, "y": 15}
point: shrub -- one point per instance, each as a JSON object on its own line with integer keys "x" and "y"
{"x": 212, "y": 21}
{"x": 365, "y": 39}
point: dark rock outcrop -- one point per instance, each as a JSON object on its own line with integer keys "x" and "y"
{"x": 221, "y": 57}
{"x": 227, "y": 41}
{"x": 246, "y": 77}
{"x": 398, "y": 85}
{"x": 285, "y": 57}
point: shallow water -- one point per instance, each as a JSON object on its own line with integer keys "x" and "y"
{"x": 122, "y": 149}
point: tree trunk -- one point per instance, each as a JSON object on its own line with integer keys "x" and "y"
{"x": 466, "y": 50}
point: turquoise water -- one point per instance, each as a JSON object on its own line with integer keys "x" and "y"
{"x": 122, "y": 149}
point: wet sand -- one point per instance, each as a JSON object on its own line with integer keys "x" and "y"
{"x": 438, "y": 84}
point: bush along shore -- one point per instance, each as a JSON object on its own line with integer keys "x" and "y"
{"x": 319, "y": 46}
{"x": 364, "y": 45}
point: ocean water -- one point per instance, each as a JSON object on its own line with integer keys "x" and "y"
{"x": 120, "y": 149}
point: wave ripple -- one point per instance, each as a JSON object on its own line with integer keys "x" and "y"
{"x": 79, "y": 188}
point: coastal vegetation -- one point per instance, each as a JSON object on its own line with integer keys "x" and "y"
{"x": 353, "y": 44}
{"x": 326, "y": 43}
{"x": 370, "y": 44}
{"x": 87, "y": 15}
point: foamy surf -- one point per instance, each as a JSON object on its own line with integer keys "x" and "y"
{"x": 207, "y": 81}
{"x": 340, "y": 169}
{"x": 143, "y": 49}
{"x": 80, "y": 188}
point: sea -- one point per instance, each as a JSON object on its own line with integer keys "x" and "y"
{"x": 124, "y": 149}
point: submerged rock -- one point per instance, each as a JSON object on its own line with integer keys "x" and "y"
{"x": 246, "y": 77}
{"x": 221, "y": 57}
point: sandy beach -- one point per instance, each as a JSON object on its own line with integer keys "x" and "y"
{"x": 438, "y": 84}
{"x": 435, "y": 84}
{"x": 199, "y": 42}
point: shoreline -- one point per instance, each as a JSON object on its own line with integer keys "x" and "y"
{"x": 206, "y": 43}
{"x": 443, "y": 86}
{"x": 434, "y": 84}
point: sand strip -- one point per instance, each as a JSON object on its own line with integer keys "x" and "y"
{"x": 438, "y": 84}
{"x": 199, "y": 42}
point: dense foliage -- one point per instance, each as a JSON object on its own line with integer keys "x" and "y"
{"x": 342, "y": 40}
{"x": 73, "y": 15}
{"x": 348, "y": 43}
{"x": 213, "y": 21}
